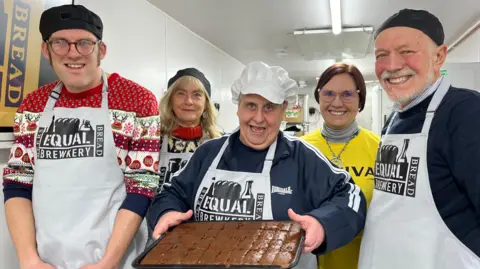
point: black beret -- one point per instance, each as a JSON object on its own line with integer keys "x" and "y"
{"x": 70, "y": 17}
{"x": 418, "y": 19}
{"x": 194, "y": 73}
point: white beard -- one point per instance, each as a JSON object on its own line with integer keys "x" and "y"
{"x": 403, "y": 101}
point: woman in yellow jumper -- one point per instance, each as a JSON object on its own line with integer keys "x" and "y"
{"x": 341, "y": 94}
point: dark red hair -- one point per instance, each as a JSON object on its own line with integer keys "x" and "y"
{"x": 343, "y": 68}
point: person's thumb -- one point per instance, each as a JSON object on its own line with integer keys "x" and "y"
{"x": 294, "y": 216}
{"x": 187, "y": 215}
{"x": 160, "y": 228}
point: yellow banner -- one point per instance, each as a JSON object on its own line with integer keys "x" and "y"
{"x": 22, "y": 67}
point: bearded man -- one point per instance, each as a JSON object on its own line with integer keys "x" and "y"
{"x": 425, "y": 210}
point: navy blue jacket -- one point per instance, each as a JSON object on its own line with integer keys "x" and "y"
{"x": 453, "y": 159}
{"x": 318, "y": 188}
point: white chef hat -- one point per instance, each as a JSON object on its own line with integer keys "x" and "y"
{"x": 271, "y": 82}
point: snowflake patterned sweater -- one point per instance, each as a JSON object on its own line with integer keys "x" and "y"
{"x": 134, "y": 118}
{"x": 182, "y": 144}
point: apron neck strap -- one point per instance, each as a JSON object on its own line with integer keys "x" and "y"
{"x": 432, "y": 107}
{"x": 220, "y": 154}
{"x": 104, "y": 90}
{"x": 165, "y": 143}
{"x": 435, "y": 102}
{"x": 55, "y": 94}
{"x": 267, "y": 165}
{"x": 53, "y": 97}
{"x": 390, "y": 123}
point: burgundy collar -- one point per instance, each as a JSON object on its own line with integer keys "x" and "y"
{"x": 188, "y": 132}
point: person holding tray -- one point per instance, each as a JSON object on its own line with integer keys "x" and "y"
{"x": 260, "y": 173}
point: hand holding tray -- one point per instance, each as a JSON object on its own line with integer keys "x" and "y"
{"x": 241, "y": 244}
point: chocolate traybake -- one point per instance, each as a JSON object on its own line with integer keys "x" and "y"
{"x": 249, "y": 244}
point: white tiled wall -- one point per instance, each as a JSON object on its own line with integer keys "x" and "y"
{"x": 467, "y": 52}
{"x": 147, "y": 46}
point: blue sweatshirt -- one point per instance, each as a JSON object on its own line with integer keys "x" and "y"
{"x": 317, "y": 187}
{"x": 453, "y": 155}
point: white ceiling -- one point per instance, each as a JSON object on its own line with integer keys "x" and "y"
{"x": 251, "y": 30}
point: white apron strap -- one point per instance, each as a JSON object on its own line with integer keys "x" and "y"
{"x": 434, "y": 103}
{"x": 268, "y": 160}
{"x": 390, "y": 123}
{"x": 215, "y": 162}
{"x": 267, "y": 165}
{"x": 436, "y": 100}
{"x": 55, "y": 94}
{"x": 104, "y": 90}
{"x": 53, "y": 97}
{"x": 164, "y": 144}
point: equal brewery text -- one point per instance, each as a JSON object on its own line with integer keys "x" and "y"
{"x": 67, "y": 138}
{"x": 395, "y": 172}
{"x": 227, "y": 200}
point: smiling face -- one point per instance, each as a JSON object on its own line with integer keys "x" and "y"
{"x": 188, "y": 102}
{"x": 339, "y": 101}
{"x": 259, "y": 120}
{"x": 407, "y": 63}
{"x": 77, "y": 72}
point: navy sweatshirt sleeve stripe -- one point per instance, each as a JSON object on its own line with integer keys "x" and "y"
{"x": 453, "y": 149}
{"x": 301, "y": 177}
{"x": 320, "y": 156}
{"x": 339, "y": 204}
{"x": 355, "y": 199}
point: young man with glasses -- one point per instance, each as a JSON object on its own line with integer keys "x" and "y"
{"x": 83, "y": 167}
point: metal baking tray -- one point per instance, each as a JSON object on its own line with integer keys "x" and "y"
{"x": 137, "y": 262}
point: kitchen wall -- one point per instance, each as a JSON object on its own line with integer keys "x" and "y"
{"x": 146, "y": 45}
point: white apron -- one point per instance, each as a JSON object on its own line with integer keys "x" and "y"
{"x": 79, "y": 186}
{"x": 170, "y": 162}
{"x": 403, "y": 227}
{"x": 238, "y": 196}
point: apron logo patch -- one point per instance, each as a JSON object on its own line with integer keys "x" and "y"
{"x": 394, "y": 172}
{"x": 67, "y": 138}
{"x": 174, "y": 165}
{"x": 228, "y": 200}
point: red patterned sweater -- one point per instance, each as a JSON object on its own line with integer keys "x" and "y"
{"x": 134, "y": 118}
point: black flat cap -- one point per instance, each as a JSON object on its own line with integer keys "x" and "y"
{"x": 421, "y": 20}
{"x": 194, "y": 73}
{"x": 70, "y": 17}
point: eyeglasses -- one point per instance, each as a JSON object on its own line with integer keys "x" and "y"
{"x": 62, "y": 47}
{"x": 346, "y": 96}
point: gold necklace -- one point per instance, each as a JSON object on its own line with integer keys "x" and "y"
{"x": 336, "y": 158}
